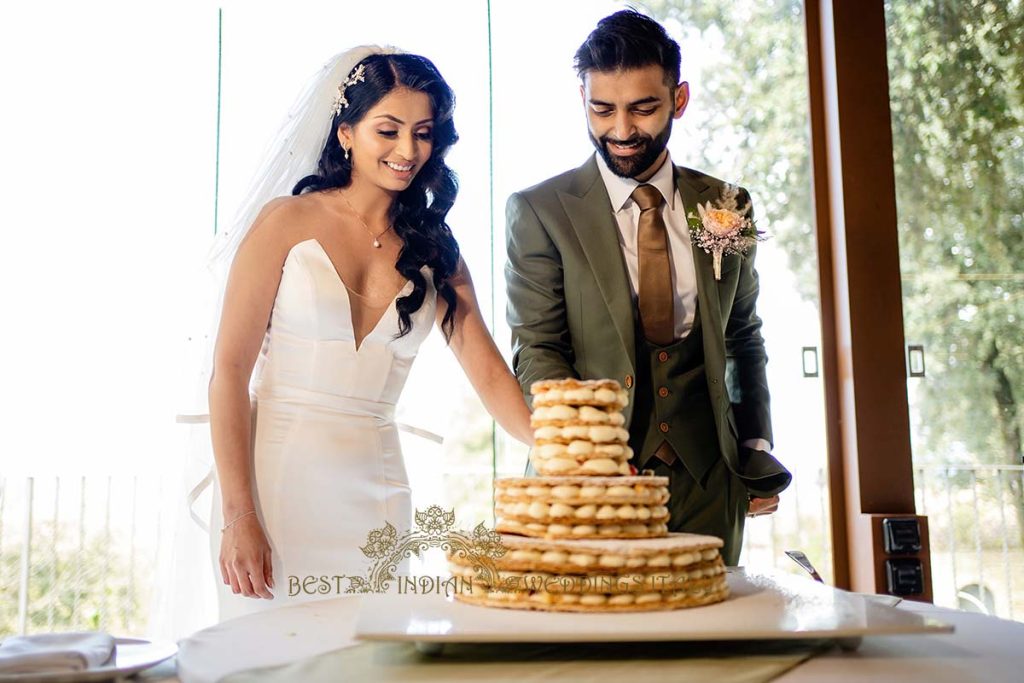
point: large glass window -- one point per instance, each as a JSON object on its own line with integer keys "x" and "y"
{"x": 109, "y": 138}
{"x": 134, "y": 145}
{"x": 747, "y": 122}
{"x": 958, "y": 148}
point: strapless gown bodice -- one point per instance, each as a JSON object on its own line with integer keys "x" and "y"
{"x": 310, "y": 357}
{"x": 326, "y": 457}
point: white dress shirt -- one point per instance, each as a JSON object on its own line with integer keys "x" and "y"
{"x": 680, "y": 251}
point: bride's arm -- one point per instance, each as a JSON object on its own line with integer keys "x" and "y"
{"x": 483, "y": 364}
{"x": 249, "y": 297}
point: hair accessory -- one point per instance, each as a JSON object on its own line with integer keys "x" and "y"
{"x": 340, "y": 102}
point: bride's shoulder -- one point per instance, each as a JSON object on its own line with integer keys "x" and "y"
{"x": 281, "y": 210}
{"x": 282, "y": 221}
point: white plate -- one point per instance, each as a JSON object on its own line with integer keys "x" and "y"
{"x": 762, "y": 606}
{"x": 131, "y": 656}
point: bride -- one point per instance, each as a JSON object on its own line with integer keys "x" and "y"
{"x": 331, "y": 291}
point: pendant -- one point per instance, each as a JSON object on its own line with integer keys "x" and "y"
{"x": 376, "y": 244}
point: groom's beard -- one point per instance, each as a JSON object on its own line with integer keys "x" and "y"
{"x": 630, "y": 167}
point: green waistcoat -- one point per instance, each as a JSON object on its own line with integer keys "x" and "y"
{"x": 672, "y": 390}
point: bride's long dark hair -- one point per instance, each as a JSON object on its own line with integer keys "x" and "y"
{"x": 418, "y": 212}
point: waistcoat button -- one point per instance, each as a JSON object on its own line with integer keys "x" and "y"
{"x": 629, "y": 381}
{"x": 663, "y": 356}
{"x": 663, "y": 392}
{"x": 663, "y": 427}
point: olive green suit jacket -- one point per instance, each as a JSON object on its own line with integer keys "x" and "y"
{"x": 571, "y": 312}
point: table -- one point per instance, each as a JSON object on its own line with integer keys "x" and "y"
{"x": 982, "y": 648}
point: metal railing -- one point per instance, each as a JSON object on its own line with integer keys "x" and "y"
{"x": 976, "y": 524}
{"x": 81, "y": 552}
{"x": 78, "y": 552}
{"x": 975, "y": 530}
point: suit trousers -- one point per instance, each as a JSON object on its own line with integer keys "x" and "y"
{"x": 719, "y": 508}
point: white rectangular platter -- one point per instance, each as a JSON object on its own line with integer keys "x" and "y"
{"x": 762, "y": 606}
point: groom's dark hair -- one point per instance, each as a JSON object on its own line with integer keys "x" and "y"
{"x": 628, "y": 40}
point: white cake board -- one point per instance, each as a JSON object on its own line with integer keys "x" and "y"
{"x": 762, "y": 606}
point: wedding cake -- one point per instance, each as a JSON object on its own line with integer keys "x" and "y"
{"x": 588, "y": 534}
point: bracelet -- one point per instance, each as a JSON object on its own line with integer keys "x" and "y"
{"x": 232, "y": 522}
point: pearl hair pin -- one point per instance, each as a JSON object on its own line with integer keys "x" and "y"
{"x": 340, "y": 101}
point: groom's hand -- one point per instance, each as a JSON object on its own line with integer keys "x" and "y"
{"x": 762, "y": 506}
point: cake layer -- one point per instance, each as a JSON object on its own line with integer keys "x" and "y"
{"x": 590, "y": 513}
{"x": 566, "y": 416}
{"x": 669, "y": 552}
{"x": 582, "y": 490}
{"x": 580, "y": 450}
{"x": 571, "y": 383}
{"x": 705, "y": 592}
{"x": 579, "y": 392}
{"x": 598, "y": 467}
{"x": 581, "y": 443}
{"x": 580, "y": 531}
{"x": 583, "y": 415}
{"x": 625, "y": 582}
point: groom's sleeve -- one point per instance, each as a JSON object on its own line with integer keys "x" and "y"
{"x": 745, "y": 356}
{"x": 541, "y": 345}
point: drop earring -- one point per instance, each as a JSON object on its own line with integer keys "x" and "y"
{"x": 346, "y": 152}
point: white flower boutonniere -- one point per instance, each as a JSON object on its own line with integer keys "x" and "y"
{"x": 723, "y": 228}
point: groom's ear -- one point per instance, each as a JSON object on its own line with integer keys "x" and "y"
{"x": 583, "y": 94}
{"x": 681, "y": 100}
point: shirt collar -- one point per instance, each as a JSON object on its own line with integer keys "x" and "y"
{"x": 620, "y": 189}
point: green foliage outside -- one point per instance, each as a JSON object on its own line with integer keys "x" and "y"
{"x": 89, "y": 587}
{"x": 958, "y": 127}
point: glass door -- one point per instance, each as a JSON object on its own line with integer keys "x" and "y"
{"x": 958, "y": 136}
{"x": 747, "y": 122}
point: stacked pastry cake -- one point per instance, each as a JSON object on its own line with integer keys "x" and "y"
{"x": 589, "y": 535}
{"x": 578, "y": 428}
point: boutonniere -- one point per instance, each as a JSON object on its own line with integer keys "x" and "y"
{"x": 723, "y": 227}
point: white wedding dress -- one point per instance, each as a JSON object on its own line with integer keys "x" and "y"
{"x": 327, "y": 461}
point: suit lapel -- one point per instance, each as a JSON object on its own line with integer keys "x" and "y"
{"x": 693, "y": 190}
{"x": 589, "y": 210}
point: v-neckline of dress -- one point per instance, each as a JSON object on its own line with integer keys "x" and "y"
{"x": 359, "y": 343}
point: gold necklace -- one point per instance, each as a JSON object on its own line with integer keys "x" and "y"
{"x": 376, "y": 236}
{"x": 370, "y": 301}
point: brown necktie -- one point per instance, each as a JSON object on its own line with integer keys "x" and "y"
{"x": 655, "y": 295}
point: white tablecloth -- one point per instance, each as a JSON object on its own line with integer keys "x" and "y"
{"x": 983, "y": 649}
{"x": 269, "y": 638}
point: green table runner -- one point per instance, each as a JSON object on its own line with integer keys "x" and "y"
{"x": 394, "y": 662}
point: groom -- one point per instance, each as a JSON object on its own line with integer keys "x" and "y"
{"x": 603, "y": 282}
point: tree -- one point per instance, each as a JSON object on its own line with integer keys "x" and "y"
{"x": 956, "y": 69}
{"x": 956, "y": 72}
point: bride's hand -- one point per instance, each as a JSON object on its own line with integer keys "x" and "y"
{"x": 245, "y": 559}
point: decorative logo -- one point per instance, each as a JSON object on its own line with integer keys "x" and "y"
{"x": 386, "y": 549}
